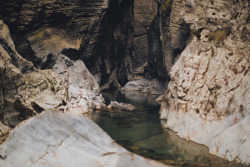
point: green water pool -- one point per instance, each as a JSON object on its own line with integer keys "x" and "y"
{"x": 141, "y": 132}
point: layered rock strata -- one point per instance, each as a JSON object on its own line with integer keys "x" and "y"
{"x": 207, "y": 100}
{"x": 113, "y": 38}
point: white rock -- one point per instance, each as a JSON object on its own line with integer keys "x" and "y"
{"x": 56, "y": 139}
{"x": 83, "y": 92}
{"x": 208, "y": 98}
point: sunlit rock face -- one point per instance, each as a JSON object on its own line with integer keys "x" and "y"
{"x": 208, "y": 98}
{"x": 56, "y": 139}
{"x": 26, "y": 91}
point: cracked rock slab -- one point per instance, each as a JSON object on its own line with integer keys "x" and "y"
{"x": 53, "y": 138}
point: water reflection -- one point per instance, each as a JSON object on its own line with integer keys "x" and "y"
{"x": 141, "y": 132}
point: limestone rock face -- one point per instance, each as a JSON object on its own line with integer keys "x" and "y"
{"x": 175, "y": 30}
{"x": 26, "y": 91}
{"x": 56, "y": 139}
{"x": 82, "y": 90}
{"x": 207, "y": 100}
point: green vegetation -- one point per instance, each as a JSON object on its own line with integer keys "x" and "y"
{"x": 197, "y": 33}
{"x": 166, "y": 5}
{"x": 219, "y": 35}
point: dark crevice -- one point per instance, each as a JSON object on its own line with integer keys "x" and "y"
{"x": 36, "y": 107}
{"x": 112, "y": 44}
{"x": 10, "y": 52}
{"x": 72, "y": 53}
{"x": 49, "y": 63}
{"x": 23, "y": 47}
{"x": 156, "y": 67}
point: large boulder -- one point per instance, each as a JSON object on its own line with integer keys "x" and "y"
{"x": 56, "y": 139}
{"x": 144, "y": 85}
{"x": 83, "y": 92}
{"x": 121, "y": 106}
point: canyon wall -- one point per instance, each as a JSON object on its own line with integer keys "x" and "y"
{"x": 26, "y": 91}
{"x": 111, "y": 37}
{"x": 208, "y": 98}
{"x": 47, "y": 42}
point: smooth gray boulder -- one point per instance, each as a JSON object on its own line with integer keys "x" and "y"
{"x": 144, "y": 85}
{"x": 54, "y": 138}
{"x": 121, "y": 106}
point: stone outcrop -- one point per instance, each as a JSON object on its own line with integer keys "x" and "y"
{"x": 121, "y": 106}
{"x": 26, "y": 91}
{"x": 82, "y": 91}
{"x": 144, "y": 85}
{"x": 207, "y": 100}
{"x": 56, "y": 139}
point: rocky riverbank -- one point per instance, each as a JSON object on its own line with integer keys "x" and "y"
{"x": 207, "y": 100}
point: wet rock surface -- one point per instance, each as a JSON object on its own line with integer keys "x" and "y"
{"x": 56, "y": 139}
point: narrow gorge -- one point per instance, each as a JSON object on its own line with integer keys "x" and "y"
{"x": 58, "y": 59}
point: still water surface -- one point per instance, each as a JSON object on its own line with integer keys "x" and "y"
{"x": 141, "y": 132}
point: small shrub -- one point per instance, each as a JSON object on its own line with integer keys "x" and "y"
{"x": 219, "y": 35}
